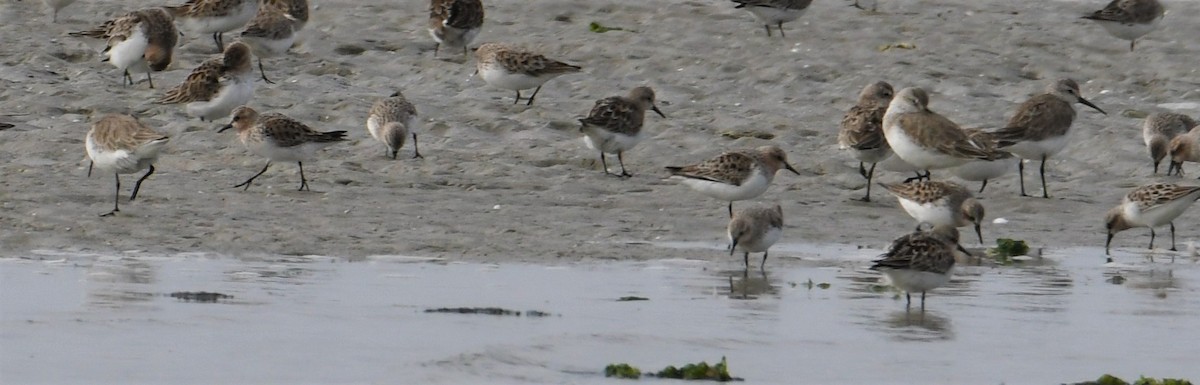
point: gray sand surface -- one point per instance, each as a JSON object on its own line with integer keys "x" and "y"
{"x": 515, "y": 183}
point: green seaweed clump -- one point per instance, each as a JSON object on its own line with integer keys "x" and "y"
{"x": 597, "y": 28}
{"x": 1109, "y": 379}
{"x": 622, "y": 371}
{"x": 701, "y": 371}
{"x": 1008, "y": 248}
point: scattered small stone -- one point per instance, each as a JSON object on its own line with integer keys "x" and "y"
{"x": 748, "y": 134}
{"x": 351, "y": 50}
{"x": 199, "y": 296}
{"x": 632, "y": 298}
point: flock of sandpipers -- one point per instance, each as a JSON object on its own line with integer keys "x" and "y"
{"x": 893, "y": 128}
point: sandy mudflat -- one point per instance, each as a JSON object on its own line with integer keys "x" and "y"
{"x": 516, "y": 183}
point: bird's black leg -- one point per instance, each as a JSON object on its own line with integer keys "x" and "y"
{"x": 1045, "y": 192}
{"x": 1173, "y": 237}
{"x": 303, "y": 181}
{"x": 1021, "y": 173}
{"x": 116, "y": 198}
{"x": 137, "y": 186}
{"x": 731, "y": 209}
{"x": 1151, "y": 238}
{"x": 781, "y": 30}
{"x": 869, "y": 174}
{"x": 518, "y": 97}
{"x": 263, "y": 72}
{"x": 981, "y": 187}
{"x": 217, "y": 39}
{"x": 247, "y": 182}
{"x": 768, "y": 28}
{"x": 416, "y": 148}
{"x": 621, "y": 160}
{"x": 763, "y": 266}
{"x": 535, "y": 91}
{"x": 746, "y": 259}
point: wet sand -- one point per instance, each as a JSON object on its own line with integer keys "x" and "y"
{"x": 504, "y": 182}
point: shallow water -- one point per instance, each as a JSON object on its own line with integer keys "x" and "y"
{"x": 110, "y": 319}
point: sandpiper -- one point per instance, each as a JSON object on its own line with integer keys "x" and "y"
{"x": 506, "y": 67}
{"x": 279, "y": 139}
{"x": 754, "y": 230}
{"x": 216, "y": 86}
{"x": 615, "y": 125}
{"x": 215, "y": 16}
{"x": 139, "y": 41}
{"x": 774, "y": 12}
{"x": 270, "y": 34}
{"x": 1040, "y": 126}
{"x": 926, "y": 139}
{"x": 735, "y": 175}
{"x": 391, "y": 120}
{"x": 1184, "y": 148}
{"x": 121, "y": 144}
{"x": 1159, "y": 130}
{"x": 939, "y": 203}
{"x": 862, "y": 130}
{"x": 1150, "y": 206}
{"x": 921, "y": 261}
{"x": 1129, "y": 19}
{"x": 454, "y": 23}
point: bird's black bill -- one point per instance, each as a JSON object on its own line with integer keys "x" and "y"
{"x": 660, "y": 113}
{"x": 1089, "y": 104}
{"x": 979, "y": 232}
{"x": 227, "y": 126}
{"x": 789, "y": 168}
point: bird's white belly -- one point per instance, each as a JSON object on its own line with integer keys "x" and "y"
{"x": 1129, "y": 31}
{"x": 234, "y": 94}
{"x": 265, "y": 48}
{"x": 932, "y": 213}
{"x": 913, "y": 153}
{"x": 772, "y": 16}
{"x": 499, "y": 77}
{"x": 755, "y": 186}
{"x": 762, "y": 244}
{"x": 874, "y": 155}
{"x": 980, "y": 170}
{"x": 605, "y": 141}
{"x": 1037, "y": 150}
{"x": 917, "y": 281}
{"x": 129, "y": 54}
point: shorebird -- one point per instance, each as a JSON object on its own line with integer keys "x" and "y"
{"x": 939, "y": 203}
{"x": 615, "y": 125}
{"x": 270, "y": 34}
{"x": 1039, "y": 128}
{"x": 1159, "y": 130}
{"x": 735, "y": 175}
{"x": 454, "y": 23}
{"x": 120, "y": 144}
{"x": 297, "y": 9}
{"x": 215, "y": 16}
{"x": 862, "y": 130}
{"x": 921, "y": 261}
{"x": 391, "y": 120}
{"x": 754, "y": 230}
{"x": 506, "y": 67}
{"x": 1129, "y": 19}
{"x": 216, "y": 86}
{"x": 926, "y": 139}
{"x": 1184, "y": 147}
{"x": 774, "y": 12}
{"x": 985, "y": 170}
{"x": 139, "y": 41}
{"x": 1150, "y": 206}
{"x": 279, "y": 139}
